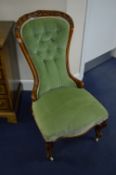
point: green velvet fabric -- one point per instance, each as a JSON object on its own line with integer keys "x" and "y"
{"x": 66, "y": 112}
{"x": 46, "y": 40}
{"x": 62, "y": 110}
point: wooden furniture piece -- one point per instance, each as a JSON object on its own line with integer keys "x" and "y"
{"x": 61, "y": 106}
{"x": 9, "y": 75}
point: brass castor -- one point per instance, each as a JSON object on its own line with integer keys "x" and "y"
{"x": 49, "y": 151}
{"x": 98, "y": 131}
{"x": 97, "y": 139}
{"x": 51, "y": 159}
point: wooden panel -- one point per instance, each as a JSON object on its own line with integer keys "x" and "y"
{"x": 10, "y": 64}
{"x": 9, "y": 74}
{"x": 1, "y": 75}
{"x": 4, "y": 31}
{"x": 2, "y": 89}
{"x": 4, "y": 104}
{"x": 0, "y": 62}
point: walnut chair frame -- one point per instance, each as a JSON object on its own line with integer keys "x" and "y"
{"x": 79, "y": 83}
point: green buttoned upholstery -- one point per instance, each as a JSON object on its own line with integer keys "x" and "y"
{"x": 46, "y": 40}
{"x": 62, "y": 109}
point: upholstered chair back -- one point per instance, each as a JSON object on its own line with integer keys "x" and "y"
{"x": 46, "y": 40}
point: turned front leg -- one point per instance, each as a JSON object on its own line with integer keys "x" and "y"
{"x": 49, "y": 150}
{"x": 98, "y": 130}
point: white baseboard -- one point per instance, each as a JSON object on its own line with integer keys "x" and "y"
{"x": 113, "y": 53}
{"x": 28, "y": 84}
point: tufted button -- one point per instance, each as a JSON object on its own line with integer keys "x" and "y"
{"x": 48, "y": 51}
{"x": 41, "y": 42}
{"x": 36, "y": 35}
{"x": 44, "y": 61}
{"x": 53, "y": 40}
{"x": 58, "y": 31}
{"x": 38, "y": 53}
{"x": 59, "y": 49}
{"x": 55, "y": 59}
{"x": 48, "y": 33}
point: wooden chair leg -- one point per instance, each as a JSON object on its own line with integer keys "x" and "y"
{"x": 49, "y": 150}
{"x": 104, "y": 124}
{"x": 98, "y": 132}
{"x": 98, "y": 129}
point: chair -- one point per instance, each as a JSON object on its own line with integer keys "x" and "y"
{"x": 61, "y": 106}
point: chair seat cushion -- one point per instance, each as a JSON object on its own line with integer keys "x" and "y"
{"x": 67, "y": 112}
